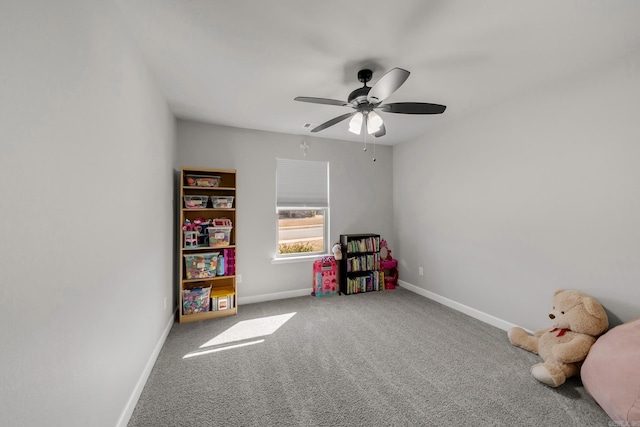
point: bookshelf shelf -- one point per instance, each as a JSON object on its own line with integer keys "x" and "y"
{"x": 360, "y": 265}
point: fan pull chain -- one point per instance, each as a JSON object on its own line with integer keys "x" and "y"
{"x": 374, "y": 147}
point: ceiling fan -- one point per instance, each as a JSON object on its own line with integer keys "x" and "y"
{"x": 366, "y": 99}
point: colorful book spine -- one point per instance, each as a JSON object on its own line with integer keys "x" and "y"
{"x": 369, "y": 244}
{"x": 369, "y": 283}
{"x": 364, "y": 262}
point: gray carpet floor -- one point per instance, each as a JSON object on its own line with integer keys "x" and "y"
{"x": 380, "y": 359}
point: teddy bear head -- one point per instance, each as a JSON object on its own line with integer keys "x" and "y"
{"x": 578, "y": 312}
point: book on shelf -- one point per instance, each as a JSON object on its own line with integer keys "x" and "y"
{"x": 364, "y": 262}
{"x": 368, "y": 283}
{"x": 367, "y": 244}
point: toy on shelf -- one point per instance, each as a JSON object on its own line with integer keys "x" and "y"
{"x": 190, "y": 239}
{"x": 337, "y": 251}
{"x": 195, "y": 233}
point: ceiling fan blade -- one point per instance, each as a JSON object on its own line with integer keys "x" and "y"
{"x": 387, "y": 84}
{"x": 381, "y": 132}
{"x": 332, "y": 122}
{"x": 413, "y": 108}
{"x": 325, "y": 101}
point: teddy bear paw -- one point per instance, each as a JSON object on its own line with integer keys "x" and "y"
{"x": 520, "y": 338}
{"x": 516, "y": 334}
{"x": 542, "y": 374}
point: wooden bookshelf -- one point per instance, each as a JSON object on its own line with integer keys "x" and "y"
{"x": 190, "y": 178}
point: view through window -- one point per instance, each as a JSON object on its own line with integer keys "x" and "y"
{"x": 301, "y": 231}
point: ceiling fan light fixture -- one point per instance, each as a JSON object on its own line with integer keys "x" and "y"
{"x": 365, "y": 99}
{"x": 355, "y": 125}
{"x": 374, "y": 122}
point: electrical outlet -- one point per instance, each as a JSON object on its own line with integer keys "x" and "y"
{"x": 239, "y": 278}
{"x": 421, "y": 271}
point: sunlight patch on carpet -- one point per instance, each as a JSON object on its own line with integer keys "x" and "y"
{"x": 248, "y": 329}
{"x": 215, "y": 350}
{"x": 243, "y": 331}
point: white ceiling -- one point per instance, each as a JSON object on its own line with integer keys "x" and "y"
{"x": 241, "y": 62}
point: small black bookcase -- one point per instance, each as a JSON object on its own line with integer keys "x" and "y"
{"x": 360, "y": 264}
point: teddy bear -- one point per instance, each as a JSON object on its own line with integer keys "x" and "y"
{"x": 337, "y": 251}
{"x": 577, "y": 321}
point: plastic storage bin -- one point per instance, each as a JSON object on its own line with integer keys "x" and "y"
{"x": 222, "y": 299}
{"x": 201, "y": 266}
{"x": 195, "y": 300}
{"x": 203, "y": 180}
{"x": 222, "y": 202}
{"x": 195, "y": 202}
{"x": 219, "y": 236}
{"x": 220, "y": 232}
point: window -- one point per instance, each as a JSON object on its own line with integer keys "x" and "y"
{"x": 302, "y": 207}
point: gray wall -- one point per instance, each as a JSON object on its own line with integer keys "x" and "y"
{"x": 500, "y": 208}
{"x": 506, "y": 205}
{"x": 86, "y": 177}
{"x": 360, "y": 196}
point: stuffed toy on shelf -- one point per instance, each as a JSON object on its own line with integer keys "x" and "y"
{"x": 337, "y": 251}
{"x": 577, "y": 320}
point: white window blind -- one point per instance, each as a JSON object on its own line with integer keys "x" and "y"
{"x": 302, "y": 184}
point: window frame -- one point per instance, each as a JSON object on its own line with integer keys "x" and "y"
{"x": 290, "y": 204}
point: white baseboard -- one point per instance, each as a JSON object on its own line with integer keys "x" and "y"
{"x": 137, "y": 391}
{"x": 477, "y": 314}
{"x": 274, "y": 296}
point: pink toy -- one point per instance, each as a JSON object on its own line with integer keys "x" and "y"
{"x": 188, "y": 226}
{"x": 325, "y": 278}
{"x": 195, "y": 232}
{"x": 388, "y": 265}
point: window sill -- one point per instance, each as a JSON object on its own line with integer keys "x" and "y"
{"x": 302, "y": 258}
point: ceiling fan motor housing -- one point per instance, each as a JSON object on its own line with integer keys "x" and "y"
{"x": 359, "y": 96}
{"x": 365, "y": 75}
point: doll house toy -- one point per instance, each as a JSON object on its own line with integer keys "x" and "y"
{"x": 190, "y": 239}
{"x": 325, "y": 277}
